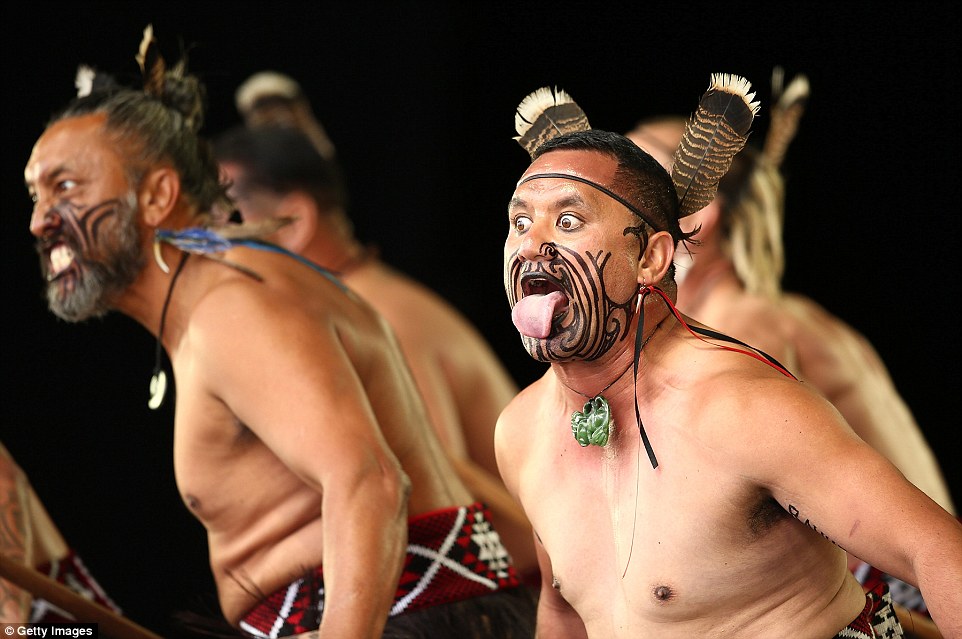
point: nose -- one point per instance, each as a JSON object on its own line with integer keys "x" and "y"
{"x": 535, "y": 245}
{"x": 43, "y": 219}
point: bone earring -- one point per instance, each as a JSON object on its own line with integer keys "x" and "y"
{"x": 158, "y": 255}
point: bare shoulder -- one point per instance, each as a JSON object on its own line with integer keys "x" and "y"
{"x": 736, "y": 406}
{"x": 519, "y": 421}
{"x": 275, "y": 294}
{"x": 816, "y": 325}
{"x": 522, "y": 409}
{"x": 832, "y": 354}
{"x": 418, "y": 314}
{"x": 286, "y": 318}
{"x": 760, "y": 322}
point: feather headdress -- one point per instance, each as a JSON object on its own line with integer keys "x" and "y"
{"x": 151, "y": 63}
{"x": 789, "y": 105}
{"x": 715, "y": 133}
{"x": 545, "y": 114}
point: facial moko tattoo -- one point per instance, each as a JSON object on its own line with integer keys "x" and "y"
{"x": 562, "y": 307}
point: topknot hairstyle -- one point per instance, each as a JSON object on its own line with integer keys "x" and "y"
{"x": 155, "y": 124}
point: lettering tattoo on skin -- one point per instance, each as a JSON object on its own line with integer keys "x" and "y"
{"x": 581, "y": 277}
{"x": 793, "y": 511}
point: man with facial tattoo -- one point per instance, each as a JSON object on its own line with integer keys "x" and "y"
{"x": 681, "y": 483}
{"x": 300, "y": 442}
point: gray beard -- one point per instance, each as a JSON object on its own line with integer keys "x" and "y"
{"x": 98, "y": 283}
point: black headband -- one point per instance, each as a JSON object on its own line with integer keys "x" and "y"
{"x": 611, "y": 194}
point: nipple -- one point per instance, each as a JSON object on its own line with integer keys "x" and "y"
{"x": 663, "y": 593}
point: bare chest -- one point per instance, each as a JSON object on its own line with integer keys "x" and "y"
{"x": 226, "y": 476}
{"x": 631, "y": 545}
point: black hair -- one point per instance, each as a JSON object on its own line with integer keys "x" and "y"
{"x": 639, "y": 178}
{"x": 282, "y": 159}
{"x": 158, "y": 129}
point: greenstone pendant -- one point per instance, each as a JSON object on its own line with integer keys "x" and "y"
{"x": 592, "y": 424}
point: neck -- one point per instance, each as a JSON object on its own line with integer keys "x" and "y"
{"x": 612, "y": 373}
{"x": 349, "y": 259}
{"x": 143, "y": 300}
{"x": 705, "y": 281}
{"x": 335, "y": 248}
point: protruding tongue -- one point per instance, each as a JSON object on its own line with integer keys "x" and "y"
{"x": 532, "y": 314}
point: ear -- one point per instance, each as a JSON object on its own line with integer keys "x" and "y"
{"x": 158, "y": 195}
{"x": 299, "y": 233}
{"x": 657, "y": 259}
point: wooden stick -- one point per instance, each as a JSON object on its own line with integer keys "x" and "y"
{"x": 109, "y": 623}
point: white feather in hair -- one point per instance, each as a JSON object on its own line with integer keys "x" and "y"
{"x": 84, "y": 80}
{"x": 544, "y": 114}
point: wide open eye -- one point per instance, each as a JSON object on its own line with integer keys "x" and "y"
{"x": 521, "y": 223}
{"x": 63, "y": 186}
{"x": 569, "y": 222}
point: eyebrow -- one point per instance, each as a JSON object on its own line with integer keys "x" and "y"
{"x": 46, "y": 176}
{"x": 631, "y": 207}
{"x": 574, "y": 199}
{"x": 570, "y": 199}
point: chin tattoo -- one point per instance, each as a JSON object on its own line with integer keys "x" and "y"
{"x": 593, "y": 322}
{"x": 101, "y": 266}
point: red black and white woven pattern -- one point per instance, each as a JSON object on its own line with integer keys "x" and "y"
{"x": 877, "y": 621}
{"x": 452, "y": 555}
{"x": 72, "y": 573}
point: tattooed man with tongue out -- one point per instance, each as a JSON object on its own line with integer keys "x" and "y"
{"x": 681, "y": 483}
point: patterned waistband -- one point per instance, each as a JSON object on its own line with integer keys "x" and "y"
{"x": 71, "y": 572}
{"x": 902, "y": 593}
{"x": 877, "y": 621}
{"x": 452, "y": 554}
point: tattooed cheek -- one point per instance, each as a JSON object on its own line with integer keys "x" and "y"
{"x": 87, "y": 223}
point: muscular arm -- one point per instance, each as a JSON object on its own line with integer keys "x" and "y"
{"x": 300, "y": 392}
{"x": 816, "y": 467}
{"x": 847, "y": 370}
{"x": 464, "y": 388}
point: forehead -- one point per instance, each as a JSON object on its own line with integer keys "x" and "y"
{"x": 591, "y": 165}
{"x": 67, "y": 144}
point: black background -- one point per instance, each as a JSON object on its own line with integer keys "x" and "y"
{"x": 419, "y": 100}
